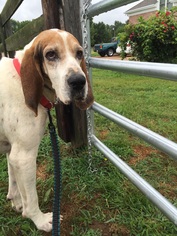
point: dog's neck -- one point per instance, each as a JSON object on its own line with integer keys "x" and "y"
{"x": 48, "y": 91}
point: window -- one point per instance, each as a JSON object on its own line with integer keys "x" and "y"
{"x": 165, "y": 4}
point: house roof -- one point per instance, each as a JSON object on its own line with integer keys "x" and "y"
{"x": 143, "y": 4}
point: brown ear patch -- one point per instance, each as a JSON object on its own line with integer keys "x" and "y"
{"x": 83, "y": 105}
{"x": 31, "y": 79}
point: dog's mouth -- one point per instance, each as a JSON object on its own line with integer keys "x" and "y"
{"x": 81, "y": 98}
{"x": 78, "y": 96}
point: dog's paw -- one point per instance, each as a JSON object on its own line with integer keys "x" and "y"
{"x": 17, "y": 206}
{"x": 16, "y": 202}
{"x": 43, "y": 221}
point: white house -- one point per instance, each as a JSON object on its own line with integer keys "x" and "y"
{"x": 147, "y": 8}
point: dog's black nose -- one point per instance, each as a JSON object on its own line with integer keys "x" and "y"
{"x": 77, "y": 82}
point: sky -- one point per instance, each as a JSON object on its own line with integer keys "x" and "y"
{"x": 31, "y": 9}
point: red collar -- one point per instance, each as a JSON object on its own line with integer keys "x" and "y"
{"x": 44, "y": 101}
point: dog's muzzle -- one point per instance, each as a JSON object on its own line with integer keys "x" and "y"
{"x": 77, "y": 84}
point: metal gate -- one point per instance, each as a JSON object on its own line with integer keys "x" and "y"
{"x": 158, "y": 70}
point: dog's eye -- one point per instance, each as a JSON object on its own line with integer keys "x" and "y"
{"x": 79, "y": 54}
{"x": 51, "y": 55}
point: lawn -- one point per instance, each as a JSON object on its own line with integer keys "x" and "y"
{"x": 106, "y": 203}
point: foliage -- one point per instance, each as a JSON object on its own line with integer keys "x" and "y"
{"x": 155, "y": 39}
{"x": 16, "y": 25}
{"x": 118, "y": 27}
{"x": 102, "y": 33}
{"x": 124, "y": 38}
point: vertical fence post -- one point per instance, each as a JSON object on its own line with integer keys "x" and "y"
{"x": 8, "y": 33}
{"x": 50, "y": 13}
{"x": 53, "y": 18}
{"x": 71, "y": 124}
{"x": 73, "y": 25}
{"x": 3, "y": 37}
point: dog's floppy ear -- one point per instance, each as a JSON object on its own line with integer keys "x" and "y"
{"x": 83, "y": 105}
{"x": 31, "y": 77}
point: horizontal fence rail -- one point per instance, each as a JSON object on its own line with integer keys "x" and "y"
{"x": 153, "y": 195}
{"x": 9, "y": 9}
{"x": 158, "y": 70}
{"x": 156, "y": 140}
{"x": 106, "y": 5}
{"x": 23, "y": 36}
{"x": 16, "y": 41}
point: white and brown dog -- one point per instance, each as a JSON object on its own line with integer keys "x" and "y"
{"x": 52, "y": 68}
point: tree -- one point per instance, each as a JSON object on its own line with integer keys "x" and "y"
{"x": 16, "y": 25}
{"x": 92, "y": 31}
{"x": 119, "y": 27}
{"x": 101, "y": 32}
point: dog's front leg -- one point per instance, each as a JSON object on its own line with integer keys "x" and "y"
{"x": 13, "y": 191}
{"x": 23, "y": 162}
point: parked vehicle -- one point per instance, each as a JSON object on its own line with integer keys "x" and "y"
{"x": 106, "y": 48}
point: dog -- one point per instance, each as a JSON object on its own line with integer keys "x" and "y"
{"x": 50, "y": 68}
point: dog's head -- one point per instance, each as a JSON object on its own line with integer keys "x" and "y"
{"x": 55, "y": 55}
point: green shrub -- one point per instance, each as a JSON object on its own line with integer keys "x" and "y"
{"x": 155, "y": 39}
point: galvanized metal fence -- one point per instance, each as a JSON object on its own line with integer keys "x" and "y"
{"x": 158, "y": 70}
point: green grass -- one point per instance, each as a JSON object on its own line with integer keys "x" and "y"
{"x": 106, "y": 203}
{"x": 94, "y": 54}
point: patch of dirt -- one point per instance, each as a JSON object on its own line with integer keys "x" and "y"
{"x": 142, "y": 153}
{"x": 103, "y": 134}
{"x": 70, "y": 209}
{"x": 111, "y": 229}
{"x": 41, "y": 172}
{"x": 116, "y": 230}
{"x": 168, "y": 189}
